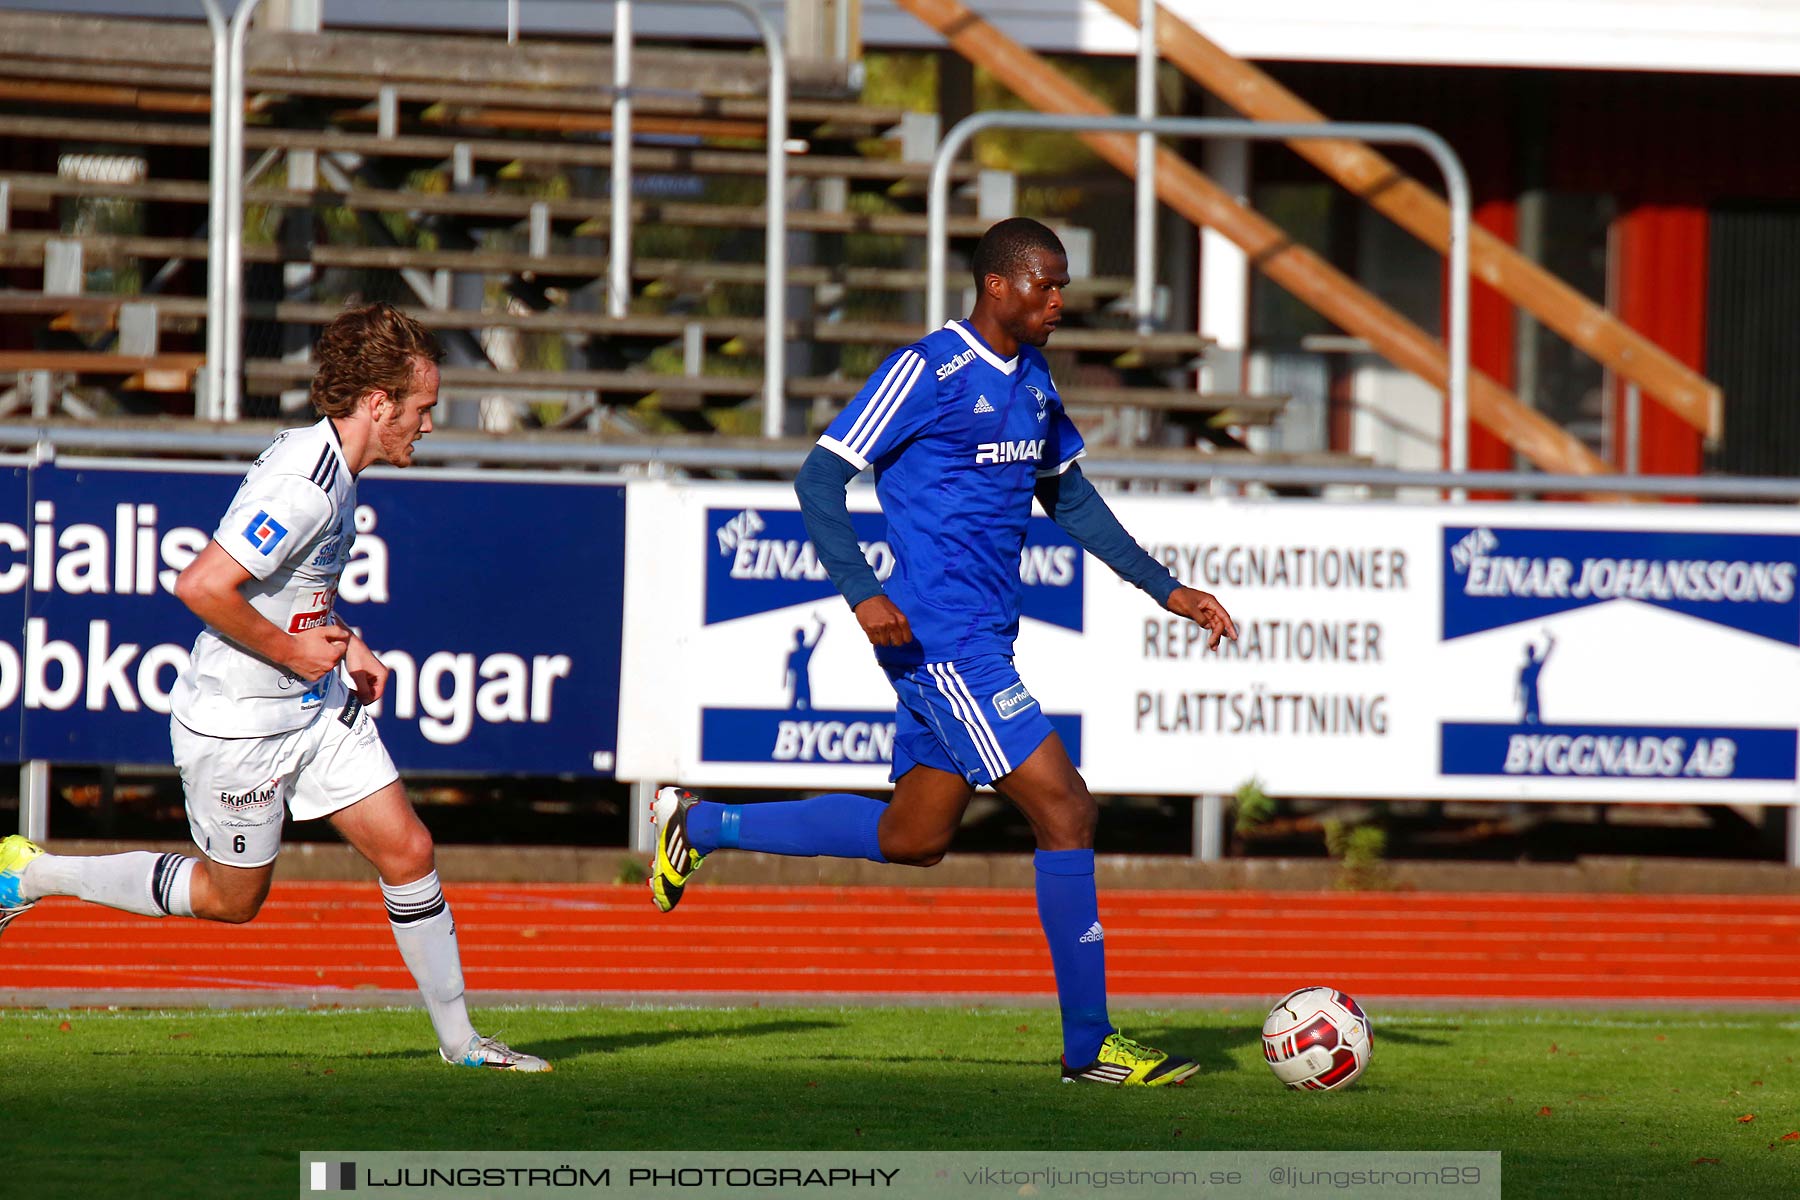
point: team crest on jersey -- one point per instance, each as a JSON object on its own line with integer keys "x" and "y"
{"x": 264, "y": 532}
{"x": 1043, "y": 402}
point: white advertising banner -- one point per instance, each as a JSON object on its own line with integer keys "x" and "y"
{"x": 1498, "y": 651}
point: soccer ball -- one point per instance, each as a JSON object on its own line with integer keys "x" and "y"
{"x": 1317, "y": 1038}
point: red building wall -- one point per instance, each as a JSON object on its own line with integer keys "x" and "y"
{"x": 1666, "y": 147}
{"x": 1661, "y": 269}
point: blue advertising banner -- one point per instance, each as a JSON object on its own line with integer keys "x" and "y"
{"x": 15, "y": 579}
{"x": 759, "y": 560}
{"x": 1499, "y": 576}
{"x": 762, "y": 560}
{"x": 1584, "y": 711}
{"x": 104, "y": 635}
{"x": 495, "y": 603}
{"x": 1616, "y": 751}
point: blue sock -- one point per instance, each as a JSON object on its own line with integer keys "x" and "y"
{"x": 838, "y": 825}
{"x": 1070, "y": 913}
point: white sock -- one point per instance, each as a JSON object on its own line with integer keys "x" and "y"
{"x": 426, "y": 933}
{"x": 153, "y": 885}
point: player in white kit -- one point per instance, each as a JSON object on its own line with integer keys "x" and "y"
{"x": 269, "y": 715}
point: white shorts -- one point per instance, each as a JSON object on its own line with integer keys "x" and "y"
{"x": 237, "y": 787}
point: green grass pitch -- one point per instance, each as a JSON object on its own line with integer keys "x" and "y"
{"x": 217, "y": 1104}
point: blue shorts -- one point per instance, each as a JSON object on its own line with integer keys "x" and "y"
{"x": 972, "y": 718}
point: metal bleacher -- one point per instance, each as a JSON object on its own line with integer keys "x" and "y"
{"x": 466, "y": 180}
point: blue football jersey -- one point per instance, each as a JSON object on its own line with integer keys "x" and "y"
{"x": 958, "y": 437}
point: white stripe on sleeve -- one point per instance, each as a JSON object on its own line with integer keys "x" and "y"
{"x": 894, "y": 389}
{"x": 844, "y": 452}
{"x": 1052, "y": 472}
{"x": 895, "y": 374}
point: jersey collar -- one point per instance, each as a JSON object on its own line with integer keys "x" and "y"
{"x": 337, "y": 442}
{"x": 1005, "y": 366}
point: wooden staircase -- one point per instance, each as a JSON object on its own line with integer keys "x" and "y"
{"x": 1308, "y": 276}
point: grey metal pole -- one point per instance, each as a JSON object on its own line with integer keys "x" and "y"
{"x": 34, "y": 800}
{"x": 1144, "y": 280}
{"x": 1209, "y": 828}
{"x": 775, "y": 241}
{"x": 212, "y": 374}
{"x": 639, "y": 831}
{"x": 512, "y": 22}
{"x": 232, "y": 346}
{"x": 618, "y": 286}
{"x": 1634, "y": 426}
{"x": 1456, "y": 179}
{"x": 774, "y": 220}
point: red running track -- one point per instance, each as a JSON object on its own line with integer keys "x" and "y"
{"x": 801, "y": 944}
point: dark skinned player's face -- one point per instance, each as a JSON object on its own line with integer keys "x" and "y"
{"x": 1028, "y": 303}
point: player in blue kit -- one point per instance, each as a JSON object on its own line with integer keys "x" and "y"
{"x": 963, "y": 429}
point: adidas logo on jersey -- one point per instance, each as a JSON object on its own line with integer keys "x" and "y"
{"x": 982, "y": 405}
{"x": 1094, "y": 933}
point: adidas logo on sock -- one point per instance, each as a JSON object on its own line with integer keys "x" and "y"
{"x": 1094, "y": 934}
{"x": 982, "y": 405}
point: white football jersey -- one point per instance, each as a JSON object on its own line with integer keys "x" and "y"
{"x": 291, "y": 525}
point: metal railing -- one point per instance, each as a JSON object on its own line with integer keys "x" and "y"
{"x": 618, "y": 254}
{"x": 1455, "y": 178}
{"x": 1143, "y": 287}
{"x": 211, "y": 376}
{"x": 577, "y": 453}
{"x": 775, "y": 219}
{"x": 225, "y": 300}
{"x": 223, "y": 375}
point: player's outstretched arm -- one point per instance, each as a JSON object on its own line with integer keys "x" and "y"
{"x": 1073, "y": 504}
{"x": 211, "y": 588}
{"x": 820, "y": 486}
{"x": 1071, "y": 501}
